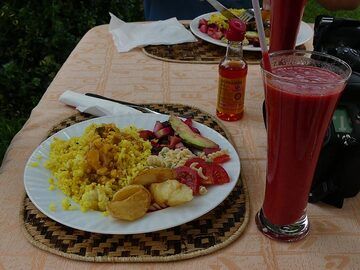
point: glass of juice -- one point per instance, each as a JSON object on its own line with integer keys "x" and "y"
{"x": 301, "y": 93}
{"x": 285, "y": 22}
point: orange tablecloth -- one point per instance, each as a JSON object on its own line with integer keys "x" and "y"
{"x": 96, "y": 66}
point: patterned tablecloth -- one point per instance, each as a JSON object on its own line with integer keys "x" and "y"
{"x": 96, "y": 66}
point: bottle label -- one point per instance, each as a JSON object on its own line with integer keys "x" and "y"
{"x": 231, "y": 95}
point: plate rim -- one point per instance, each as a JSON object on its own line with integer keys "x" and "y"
{"x": 194, "y": 29}
{"x": 85, "y": 123}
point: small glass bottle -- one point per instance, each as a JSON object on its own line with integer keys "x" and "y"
{"x": 232, "y": 75}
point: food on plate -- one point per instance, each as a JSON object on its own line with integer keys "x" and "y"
{"x": 170, "y": 193}
{"x": 34, "y": 164}
{"x": 217, "y": 26}
{"x": 175, "y": 134}
{"x": 188, "y": 135}
{"x": 52, "y": 207}
{"x": 221, "y": 21}
{"x": 210, "y": 173}
{"x": 92, "y": 167}
{"x": 221, "y": 159}
{"x": 169, "y": 158}
{"x": 189, "y": 177}
{"x": 153, "y": 175}
{"x": 66, "y": 204}
{"x": 128, "y": 172}
{"x": 130, "y": 203}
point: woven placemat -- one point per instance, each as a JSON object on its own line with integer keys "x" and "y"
{"x": 204, "y": 235}
{"x": 200, "y": 52}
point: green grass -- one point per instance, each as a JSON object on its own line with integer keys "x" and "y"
{"x": 313, "y": 9}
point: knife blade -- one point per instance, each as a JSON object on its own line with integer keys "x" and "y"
{"x": 223, "y": 10}
{"x": 132, "y": 105}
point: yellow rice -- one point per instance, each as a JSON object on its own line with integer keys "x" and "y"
{"x": 221, "y": 21}
{"x": 70, "y": 167}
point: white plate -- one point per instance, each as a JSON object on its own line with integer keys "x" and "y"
{"x": 304, "y": 35}
{"x": 37, "y": 186}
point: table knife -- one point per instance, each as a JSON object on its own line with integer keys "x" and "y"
{"x": 223, "y": 10}
{"x": 132, "y": 105}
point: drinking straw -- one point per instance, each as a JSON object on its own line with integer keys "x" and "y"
{"x": 260, "y": 28}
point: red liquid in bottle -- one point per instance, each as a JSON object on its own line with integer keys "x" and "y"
{"x": 232, "y": 75}
{"x": 285, "y": 21}
{"x": 232, "y": 82}
{"x": 298, "y": 115}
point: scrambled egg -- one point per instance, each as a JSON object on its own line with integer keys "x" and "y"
{"x": 92, "y": 167}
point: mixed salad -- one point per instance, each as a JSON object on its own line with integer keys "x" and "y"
{"x": 181, "y": 134}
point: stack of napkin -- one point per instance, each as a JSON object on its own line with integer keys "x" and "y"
{"x": 94, "y": 106}
{"x": 131, "y": 35}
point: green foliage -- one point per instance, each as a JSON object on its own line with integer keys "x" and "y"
{"x": 313, "y": 9}
{"x": 35, "y": 38}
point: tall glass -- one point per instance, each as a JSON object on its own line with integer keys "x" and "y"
{"x": 285, "y": 21}
{"x": 301, "y": 94}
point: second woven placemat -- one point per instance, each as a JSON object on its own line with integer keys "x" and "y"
{"x": 204, "y": 235}
{"x": 200, "y": 52}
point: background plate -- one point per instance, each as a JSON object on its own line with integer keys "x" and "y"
{"x": 37, "y": 186}
{"x": 304, "y": 35}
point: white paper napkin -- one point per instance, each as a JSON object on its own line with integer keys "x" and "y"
{"x": 94, "y": 106}
{"x": 131, "y": 35}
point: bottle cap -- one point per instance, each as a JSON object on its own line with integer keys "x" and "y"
{"x": 236, "y": 30}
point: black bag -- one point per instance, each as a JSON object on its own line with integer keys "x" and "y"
{"x": 337, "y": 176}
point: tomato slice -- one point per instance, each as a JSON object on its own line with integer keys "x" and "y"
{"x": 189, "y": 177}
{"x": 215, "y": 173}
{"x": 206, "y": 170}
{"x": 219, "y": 174}
{"x": 221, "y": 159}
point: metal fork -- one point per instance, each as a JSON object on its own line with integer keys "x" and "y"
{"x": 247, "y": 16}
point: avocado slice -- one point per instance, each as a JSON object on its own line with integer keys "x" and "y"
{"x": 189, "y": 136}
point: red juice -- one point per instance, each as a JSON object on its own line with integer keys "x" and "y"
{"x": 285, "y": 21}
{"x": 298, "y": 114}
